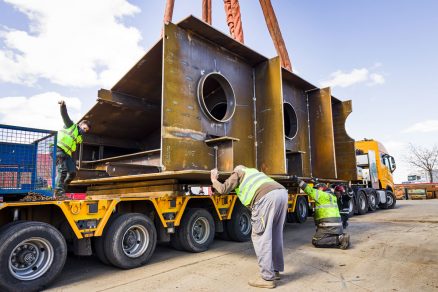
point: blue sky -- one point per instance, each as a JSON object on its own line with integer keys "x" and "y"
{"x": 382, "y": 54}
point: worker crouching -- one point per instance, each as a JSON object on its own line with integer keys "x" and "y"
{"x": 267, "y": 201}
{"x": 329, "y": 230}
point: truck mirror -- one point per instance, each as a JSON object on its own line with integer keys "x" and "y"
{"x": 392, "y": 163}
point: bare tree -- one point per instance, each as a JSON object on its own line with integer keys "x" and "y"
{"x": 423, "y": 158}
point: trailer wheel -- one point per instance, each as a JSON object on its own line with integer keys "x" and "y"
{"x": 98, "y": 242}
{"x": 301, "y": 211}
{"x": 351, "y": 208}
{"x": 130, "y": 240}
{"x": 196, "y": 231}
{"x": 362, "y": 204}
{"x": 175, "y": 241}
{"x": 390, "y": 201}
{"x": 372, "y": 201}
{"x": 238, "y": 227}
{"x": 32, "y": 256}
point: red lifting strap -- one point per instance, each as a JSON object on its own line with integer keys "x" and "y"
{"x": 274, "y": 31}
{"x": 234, "y": 21}
{"x": 206, "y": 11}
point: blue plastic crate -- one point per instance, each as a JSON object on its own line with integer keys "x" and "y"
{"x": 27, "y": 160}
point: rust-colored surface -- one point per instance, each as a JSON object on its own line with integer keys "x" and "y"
{"x": 187, "y": 57}
{"x": 344, "y": 144}
{"x": 269, "y": 114}
{"x": 200, "y": 99}
{"x": 321, "y": 134}
{"x": 297, "y": 147}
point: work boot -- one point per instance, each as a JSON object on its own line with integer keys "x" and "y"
{"x": 60, "y": 195}
{"x": 277, "y": 275}
{"x": 262, "y": 283}
{"x": 344, "y": 241}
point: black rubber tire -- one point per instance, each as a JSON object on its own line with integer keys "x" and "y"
{"x": 351, "y": 208}
{"x": 390, "y": 201}
{"x": 301, "y": 210}
{"x": 175, "y": 241}
{"x": 372, "y": 201}
{"x": 185, "y": 235}
{"x": 115, "y": 236}
{"x": 362, "y": 204}
{"x": 12, "y": 236}
{"x": 98, "y": 242}
{"x": 238, "y": 228}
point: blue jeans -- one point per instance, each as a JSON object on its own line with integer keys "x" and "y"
{"x": 65, "y": 170}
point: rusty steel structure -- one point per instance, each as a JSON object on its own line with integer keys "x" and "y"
{"x": 198, "y": 99}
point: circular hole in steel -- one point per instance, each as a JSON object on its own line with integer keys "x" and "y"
{"x": 290, "y": 121}
{"x": 216, "y": 97}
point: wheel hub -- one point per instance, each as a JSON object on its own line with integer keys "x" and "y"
{"x": 200, "y": 230}
{"x": 135, "y": 241}
{"x": 24, "y": 256}
{"x": 31, "y": 258}
{"x": 130, "y": 240}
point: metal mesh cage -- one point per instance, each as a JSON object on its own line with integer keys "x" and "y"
{"x": 27, "y": 160}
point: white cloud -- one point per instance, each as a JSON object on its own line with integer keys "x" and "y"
{"x": 71, "y": 43}
{"x": 376, "y": 79}
{"x": 425, "y": 127}
{"x": 355, "y": 76}
{"x": 38, "y": 111}
{"x": 398, "y": 150}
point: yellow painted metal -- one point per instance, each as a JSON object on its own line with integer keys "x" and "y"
{"x": 384, "y": 175}
{"x": 292, "y": 201}
{"x": 78, "y": 210}
{"x": 109, "y": 206}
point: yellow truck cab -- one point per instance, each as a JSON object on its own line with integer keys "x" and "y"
{"x": 374, "y": 186}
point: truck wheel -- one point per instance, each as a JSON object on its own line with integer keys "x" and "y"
{"x": 196, "y": 231}
{"x": 32, "y": 255}
{"x": 238, "y": 227}
{"x": 362, "y": 204}
{"x": 390, "y": 201}
{"x": 175, "y": 241}
{"x": 351, "y": 208}
{"x": 98, "y": 242}
{"x": 130, "y": 240}
{"x": 301, "y": 211}
{"x": 372, "y": 201}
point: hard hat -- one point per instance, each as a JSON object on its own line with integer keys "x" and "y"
{"x": 339, "y": 188}
{"x": 321, "y": 185}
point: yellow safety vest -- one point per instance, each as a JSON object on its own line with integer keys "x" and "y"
{"x": 68, "y": 139}
{"x": 252, "y": 180}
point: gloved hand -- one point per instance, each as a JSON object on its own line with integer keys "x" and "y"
{"x": 295, "y": 179}
{"x": 214, "y": 174}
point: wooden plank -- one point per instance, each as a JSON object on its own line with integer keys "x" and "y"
{"x": 121, "y": 191}
{"x": 135, "y": 195}
{"x": 133, "y": 184}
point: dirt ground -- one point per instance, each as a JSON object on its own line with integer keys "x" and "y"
{"x": 392, "y": 250}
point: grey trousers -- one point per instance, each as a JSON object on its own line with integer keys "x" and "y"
{"x": 267, "y": 220}
{"x": 326, "y": 237}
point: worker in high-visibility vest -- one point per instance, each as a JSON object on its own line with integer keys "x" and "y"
{"x": 343, "y": 198}
{"x": 267, "y": 200}
{"x": 68, "y": 139}
{"x": 329, "y": 231}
